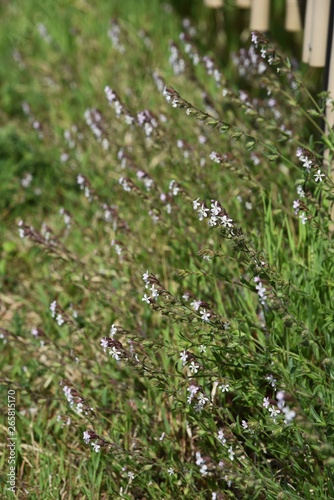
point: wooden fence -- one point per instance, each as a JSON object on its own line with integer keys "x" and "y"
{"x": 317, "y": 23}
{"x": 316, "y": 19}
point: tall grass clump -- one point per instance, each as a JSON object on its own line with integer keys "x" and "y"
{"x": 170, "y": 293}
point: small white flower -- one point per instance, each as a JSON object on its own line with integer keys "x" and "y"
{"x": 273, "y": 413}
{"x": 113, "y": 330}
{"x": 296, "y": 205}
{"x": 60, "y": 320}
{"x": 96, "y": 447}
{"x": 214, "y": 157}
{"x": 68, "y": 394}
{"x": 255, "y": 159}
{"x": 254, "y": 39}
{"x": 199, "y": 459}
{"x": 146, "y": 276}
{"x": 231, "y": 453}
{"x": 196, "y": 204}
{"x": 280, "y": 399}
{"x": 174, "y": 188}
{"x": 118, "y": 108}
{"x": 26, "y": 180}
{"x": 204, "y": 470}
{"x": 79, "y": 408}
{"x": 131, "y": 476}
{"x": 115, "y": 354}
{"x": 266, "y": 403}
{"x": 196, "y": 304}
{"x": 80, "y": 180}
{"x": 205, "y": 315}
{"x": 215, "y": 209}
{"x": 244, "y": 424}
{"x": 193, "y": 367}
{"x": 192, "y": 389}
{"x": 226, "y": 221}
{"x": 221, "y": 437}
{"x": 280, "y": 396}
{"x": 53, "y": 307}
{"x": 213, "y": 220}
{"x": 148, "y": 182}
{"x": 289, "y": 415}
{"x": 209, "y": 64}
{"x": 161, "y": 438}
{"x": 166, "y": 93}
{"x": 261, "y": 290}
{"x": 86, "y": 437}
{"x": 202, "y": 400}
{"x": 217, "y": 75}
{"x": 124, "y": 183}
{"x": 184, "y": 357}
{"x": 224, "y": 387}
{"x": 146, "y": 299}
{"x": 110, "y": 95}
{"x": 271, "y": 380}
{"x": 154, "y": 291}
{"x": 307, "y": 163}
{"x": 203, "y": 212}
{"x": 318, "y": 176}
{"x": 300, "y": 192}
{"x": 104, "y": 344}
{"x": 303, "y": 218}
{"x": 87, "y": 192}
{"x": 21, "y": 232}
{"x": 118, "y": 249}
{"x": 170, "y": 471}
{"x": 262, "y": 67}
{"x": 202, "y": 348}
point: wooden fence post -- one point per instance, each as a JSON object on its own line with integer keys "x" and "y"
{"x": 316, "y": 33}
{"x": 293, "y": 20}
{"x": 328, "y": 162}
{"x": 260, "y": 11}
{"x": 214, "y": 4}
{"x": 243, "y": 4}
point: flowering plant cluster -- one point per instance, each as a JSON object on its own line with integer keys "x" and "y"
{"x": 180, "y": 292}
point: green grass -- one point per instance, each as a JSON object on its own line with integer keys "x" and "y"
{"x": 137, "y": 408}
